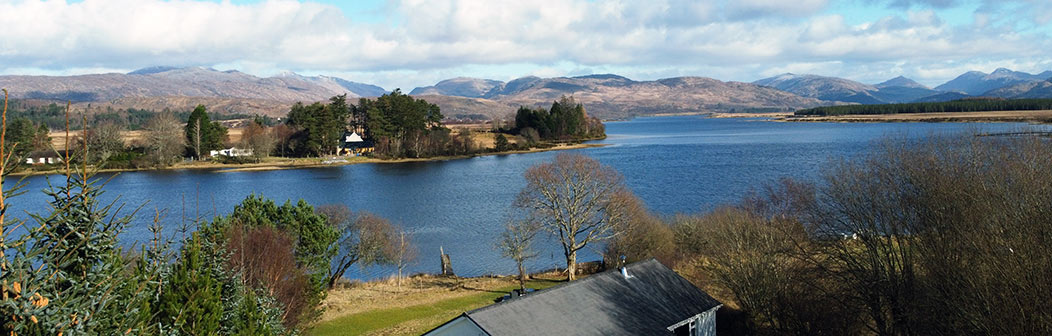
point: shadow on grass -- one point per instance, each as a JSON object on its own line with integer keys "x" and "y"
{"x": 534, "y": 283}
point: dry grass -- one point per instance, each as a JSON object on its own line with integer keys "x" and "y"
{"x": 421, "y": 302}
{"x": 131, "y": 138}
{"x": 421, "y": 289}
{"x": 750, "y": 115}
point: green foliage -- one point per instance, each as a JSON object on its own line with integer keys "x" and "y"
{"x": 191, "y": 301}
{"x": 402, "y": 126}
{"x": 965, "y": 105}
{"x": 315, "y": 240}
{"x": 566, "y": 120}
{"x": 501, "y": 144}
{"x": 204, "y": 297}
{"x": 250, "y": 312}
{"x": 69, "y": 275}
{"x": 24, "y": 136}
{"x": 210, "y": 136}
{"x": 54, "y": 115}
{"x": 264, "y": 120}
{"x": 395, "y": 115}
{"x": 318, "y": 126}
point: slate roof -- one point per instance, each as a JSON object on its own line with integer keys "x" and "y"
{"x": 45, "y": 153}
{"x": 654, "y": 298}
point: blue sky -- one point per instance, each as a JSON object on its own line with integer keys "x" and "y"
{"x": 409, "y": 43}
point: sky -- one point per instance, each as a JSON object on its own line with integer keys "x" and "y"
{"x": 410, "y": 43}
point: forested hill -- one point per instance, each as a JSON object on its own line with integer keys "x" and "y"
{"x": 964, "y": 105}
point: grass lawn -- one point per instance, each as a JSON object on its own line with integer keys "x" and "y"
{"x": 416, "y": 319}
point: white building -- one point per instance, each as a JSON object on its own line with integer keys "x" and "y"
{"x": 44, "y": 157}
{"x": 232, "y": 152}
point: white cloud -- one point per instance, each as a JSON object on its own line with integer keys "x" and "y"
{"x": 797, "y": 8}
{"x": 425, "y": 39}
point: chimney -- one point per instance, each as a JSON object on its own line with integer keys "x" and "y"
{"x": 624, "y": 268}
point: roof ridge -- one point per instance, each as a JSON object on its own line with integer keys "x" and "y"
{"x": 588, "y": 279}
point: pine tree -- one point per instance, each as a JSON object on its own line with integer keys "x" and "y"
{"x": 191, "y": 301}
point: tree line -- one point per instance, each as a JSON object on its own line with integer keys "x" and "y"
{"x": 54, "y": 115}
{"x": 394, "y": 125}
{"x": 964, "y": 105}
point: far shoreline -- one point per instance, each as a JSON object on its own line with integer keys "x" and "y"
{"x": 1032, "y": 116}
{"x": 278, "y": 163}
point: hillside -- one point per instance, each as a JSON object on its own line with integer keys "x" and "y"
{"x": 607, "y": 96}
{"x": 183, "y": 82}
{"x": 1038, "y": 89}
{"x": 977, "y": 83}
{"x": 272, "y": 108}
{"x": 477, "y": 109}
{"x": 460, "y": 86}
{"x": 611, "y": 96}
{"x": 895, "y": 90}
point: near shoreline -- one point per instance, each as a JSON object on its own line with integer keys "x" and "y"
{"x": 299, "y": 163}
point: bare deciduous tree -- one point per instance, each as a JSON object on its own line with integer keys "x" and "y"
{"x": 516, "y": 243}
{"x": 951, "y": 233}
{"x": 576, "y": 199}
{"x": 642, "y": 236}
{"x": 264, "y": 258}
{"x": 259, "y": 139}
{"x": 164, "y": 139}
{"x": 103, "y": 141}
{"x": 364, "y": 240}
{"x": 402, "y": 252}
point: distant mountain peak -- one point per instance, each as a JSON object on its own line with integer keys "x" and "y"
{"x": 459, "y": 86}
{"x": 604, "y": 76}
{"x": 287, "y": 74}
{"x": 153, "y": 70}
{"x": 977, "y": 83}
{"x": 900, "y": 81}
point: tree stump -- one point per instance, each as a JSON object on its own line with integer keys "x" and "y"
{"x": 447, "y": 267}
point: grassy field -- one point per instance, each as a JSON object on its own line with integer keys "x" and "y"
{"x": 418, "y": 305}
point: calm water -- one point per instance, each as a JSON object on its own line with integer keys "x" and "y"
{"x": 675, "y": 164}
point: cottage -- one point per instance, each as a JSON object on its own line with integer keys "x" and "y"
{"x": 44, "y": 157}
{"x": 644, "y": 298}
{"x": 352, "y": 143}
{"x": 232, "y": 152}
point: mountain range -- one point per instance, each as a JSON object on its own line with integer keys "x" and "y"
{"x": 606, "y": 96}
{"x": 978, "y": 83}
{"x": 612, "y": 96}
